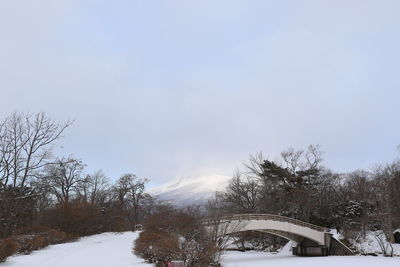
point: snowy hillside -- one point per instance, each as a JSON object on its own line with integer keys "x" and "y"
{"x": 190, "y": 190}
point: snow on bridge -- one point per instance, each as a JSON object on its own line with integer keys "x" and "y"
{"x": 311, "y": 239}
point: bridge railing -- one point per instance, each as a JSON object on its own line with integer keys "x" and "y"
{"x": 273, "y": 217}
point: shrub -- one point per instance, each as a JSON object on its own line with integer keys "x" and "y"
{"x": 56, "y": 237}
{"x": 38, "y": 242}
{"x": 76, "y": 219}
{"x": 33, "y": 230}
{"x": 177, "y": 235}
{"x": 33, "y": 241}
{"x": 118, "y": 224}
{"x": 153, "y": 247}
{"x": 24, "y": 243}
{"x": 17, "y": 205}
{"x": 8, "y": 247}
{"x": 41, "y": 236}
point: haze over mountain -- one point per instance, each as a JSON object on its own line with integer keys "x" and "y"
{"x": 190, "y": 190}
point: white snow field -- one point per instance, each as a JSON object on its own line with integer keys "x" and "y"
{"x": 114, "y": 250}
{"x": 103, "y": 250}
{"x": 261, "y": 259}
{"x": 285, "y": 258}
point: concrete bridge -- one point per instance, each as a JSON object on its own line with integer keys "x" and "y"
{"x": 311, "y": 240}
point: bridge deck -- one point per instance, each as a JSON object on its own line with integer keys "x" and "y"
{"x": 301, "y": 232}
{"x": 248, "y": 217}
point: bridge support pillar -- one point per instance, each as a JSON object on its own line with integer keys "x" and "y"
{"x": 332, "y": 247}
{"x": 309, "y": 248}
{"x": 310, "y": 251}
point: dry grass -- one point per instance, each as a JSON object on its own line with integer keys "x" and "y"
{"x": 8, "y": 247}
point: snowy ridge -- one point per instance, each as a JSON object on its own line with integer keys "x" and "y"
{"x": 190, "y": 190}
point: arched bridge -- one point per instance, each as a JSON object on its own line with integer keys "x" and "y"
{"x": 312, "y": 240}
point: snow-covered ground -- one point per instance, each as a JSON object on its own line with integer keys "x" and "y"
{"x": 103, "y": 250}
{"x": 285, "y": 258}
{"x": 114, "y": 250}
{"x": 370, "y": 244}
{"x": 261, "y": 259}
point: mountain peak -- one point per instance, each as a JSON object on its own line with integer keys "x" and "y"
{"x": 190, "y": 190}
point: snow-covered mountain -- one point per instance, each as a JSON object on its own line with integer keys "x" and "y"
{"x": 190, "y": 190}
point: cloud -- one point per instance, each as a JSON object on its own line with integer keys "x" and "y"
{"x": 176, "y": 88}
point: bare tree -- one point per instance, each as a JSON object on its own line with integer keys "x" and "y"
{"x": 129, "y": 192}
{"x": 384, "y": 243}
{"x": 254, "y": 165}
{"x": 243, "y": 196}
{"x": 63, "y": 178}
{"x": 219, "y": 230}
{"x": 314, "y": 156}
{"x": 292, "y": 159}
{"x": 386, "y": 180}
{"x": 25, "y": 146}
{"x": 94, "y": 188}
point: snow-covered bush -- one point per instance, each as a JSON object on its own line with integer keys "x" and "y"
{"x": 157, "y": 246}
{"x": 384, "y": 243}
{"x": 375, "y": 242}
{"x": 176, "y": 235}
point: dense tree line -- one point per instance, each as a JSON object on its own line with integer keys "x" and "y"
{"x": 299, "y": 186}
{"x": 39, "y": 190}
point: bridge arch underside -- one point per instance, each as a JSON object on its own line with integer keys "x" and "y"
{"x": 289, "y": 236}
{"x": 286, "y": 230}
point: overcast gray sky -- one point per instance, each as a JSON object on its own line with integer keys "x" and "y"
{"x": 166, "y": 89}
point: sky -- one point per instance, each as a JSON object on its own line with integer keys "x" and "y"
{"x": 176, "y": 88}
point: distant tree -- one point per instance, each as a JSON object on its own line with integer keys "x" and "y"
{"x": 94, "y": 188}
{"x": 326, "y": 196}
{"x": 63, "y": 178}
{"x": 26, "y": 142}
{"x": 243, "y": 196}
{"x": 358, "y": 191}
{"x": 289, "y": 188}
{"x": 387, "y": 186}
{"x": 129, "y": 194}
